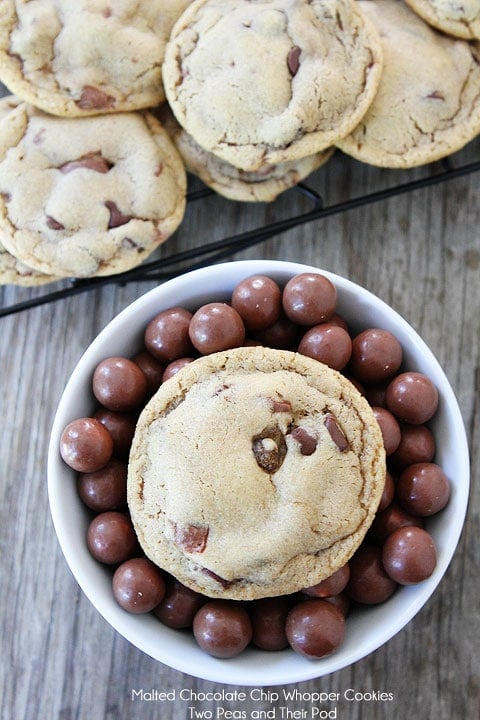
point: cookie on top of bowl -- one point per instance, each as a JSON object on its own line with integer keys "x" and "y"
{"x": 193, "y": 314}
{"x": 423, "y": 110}
{"x": 254, "y": 472}
{"x": 86, "y": 57}
{"x": 295, "y": 78}
{"x": 87, "y": 196}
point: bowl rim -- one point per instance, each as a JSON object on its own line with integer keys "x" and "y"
{"x": 248, "y": 669}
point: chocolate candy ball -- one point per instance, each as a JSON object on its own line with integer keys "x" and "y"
{"x": 329, "y": 344}
{"x": 86, "y": 445}
{"x": 138, "y": 585}
{"x": 315, "y": 628}
{"x": 309, "y": 299}
{"x": 391, "y": 519}
{"x": 417, "y": 444}
{"x": 423, "y": 489}
{"x": 258, "y": 300}
{"x": 376, "y": 355}
{"x": 341, "y": 601}
{"x": 338, "y": 320}
{"x": 268, "y": 616}
{"x": 412, "y": 398}
{"x": 369, "y": 583}
{"x": 388, "y": 492}
{"x": 389, "y": 428}
{"x": 173, "y": 367}
{"x": 179, "y": 605}
{"x": 222, "y": 628}
{"x": 166, "y": 335}
{"x": 409, "y": 555}
{"x": 216, "y": 326}
{"x": 152, "y": 368}
{"x": 375, "y": 394}
{"x": 111, "y": 538}
{"x": 282, "y": 335}
{"x": 119, "y": 384}
{"x": 105, "y": 489}
{"x": 121, "y": 427}
{"x": 332, "y": 585}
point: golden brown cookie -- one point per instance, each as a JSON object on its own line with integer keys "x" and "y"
{"x": 254, "y": 472}
{"x": 258, "y": 83}
{"x": 8, "y": 103}
{"x": 461, "y": 19}
{"x": 424, "y": 109}
{"x": 14, "y": 272}
{"x": 87, "y": 196}
{"x": 264, "y": 185}
{"x": 88, "y": 56}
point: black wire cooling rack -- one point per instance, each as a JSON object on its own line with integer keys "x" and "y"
{"x": 196, "y": 257}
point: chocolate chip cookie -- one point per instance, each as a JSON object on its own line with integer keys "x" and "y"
{"x": 14, "y": 272}
{"x": 8, "y": 103}
{"x": 265, "y": 185}
{"x": 423, "y": 110}
{"x": 258, "y": 83}
{"x": 87, "y": 196}
{"x": 461, "y": 19}
{"x": 86, "y": 57}
{"x": 254, "y": 472}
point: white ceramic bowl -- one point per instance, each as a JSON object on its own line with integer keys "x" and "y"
{"x": 368, "y": 629}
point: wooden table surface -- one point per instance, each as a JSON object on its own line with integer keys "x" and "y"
{"x": 59, "y": 659}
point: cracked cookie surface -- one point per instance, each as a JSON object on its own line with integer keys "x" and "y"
{"x": 87, "y": 196}
{"x": 296, "y": 76}
{"x": 428, "y": 102}
{"x": 254, "y": 472}
{"x": 461, "y": 19}
{"x": 86, "y": 57}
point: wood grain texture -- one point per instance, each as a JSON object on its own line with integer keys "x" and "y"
{"x": 60, "y": 660}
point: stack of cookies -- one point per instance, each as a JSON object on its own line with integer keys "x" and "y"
{"x": 115, "y": 101}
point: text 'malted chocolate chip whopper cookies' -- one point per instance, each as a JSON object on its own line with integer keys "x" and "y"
{"x": 254, "y": 472}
